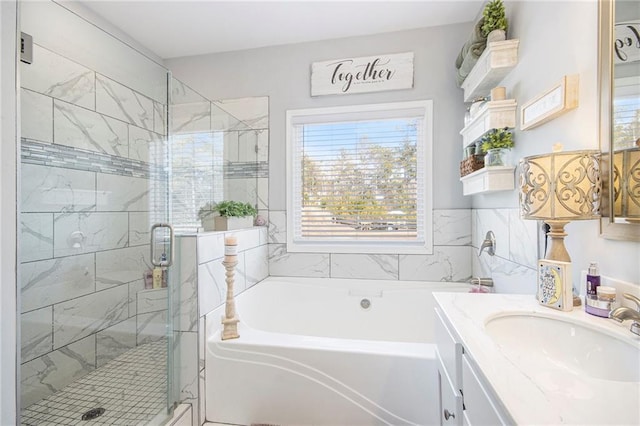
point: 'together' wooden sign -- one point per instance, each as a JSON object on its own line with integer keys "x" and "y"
{"x": 362, "y": 75}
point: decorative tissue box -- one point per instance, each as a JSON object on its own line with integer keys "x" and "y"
{"x": 555, "y": 289}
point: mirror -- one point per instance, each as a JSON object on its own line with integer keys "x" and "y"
{"x": 619, "y": 86}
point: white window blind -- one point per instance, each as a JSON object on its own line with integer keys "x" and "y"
{"x": 358, "y": 178}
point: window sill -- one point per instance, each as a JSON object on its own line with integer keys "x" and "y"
{"x": 366, "y": 247}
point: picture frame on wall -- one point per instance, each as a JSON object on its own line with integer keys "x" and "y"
{"x": 551, "y": 103}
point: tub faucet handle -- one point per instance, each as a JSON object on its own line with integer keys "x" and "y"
{"x": 488, "y": 244}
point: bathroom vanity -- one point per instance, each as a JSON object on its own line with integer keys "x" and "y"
{"x": 504, "y": 359}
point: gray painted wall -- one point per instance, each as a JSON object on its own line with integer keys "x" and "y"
{"x": 283, "y": 74}
{"x": 556, "y": 39}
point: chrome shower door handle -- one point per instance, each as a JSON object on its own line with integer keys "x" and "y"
{"x": 166, "y": 257}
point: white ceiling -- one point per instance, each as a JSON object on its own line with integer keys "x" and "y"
{"x": 183, "y": 28}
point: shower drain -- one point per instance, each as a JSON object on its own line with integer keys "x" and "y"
{"x": 93, "y": 413}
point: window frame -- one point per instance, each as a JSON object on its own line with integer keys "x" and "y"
{"x": 424, "y": 109}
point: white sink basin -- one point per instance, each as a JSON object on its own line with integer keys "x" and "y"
{"x": 556, "y": 345}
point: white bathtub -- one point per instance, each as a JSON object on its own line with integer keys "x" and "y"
{"x": 310, "y": 354}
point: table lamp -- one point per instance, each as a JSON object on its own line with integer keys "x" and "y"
{"x": 558, "y": 188}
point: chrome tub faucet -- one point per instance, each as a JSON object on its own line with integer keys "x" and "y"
{"x": 486, "y": 282}
{"x": 488, "y": 244}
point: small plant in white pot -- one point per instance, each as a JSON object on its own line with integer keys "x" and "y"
{"x": 497, "y": 144}
{"x": 495, "y": 24}
{"x": 234, "y": 215}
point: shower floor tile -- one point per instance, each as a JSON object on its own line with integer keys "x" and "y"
{"x": 132, "y": 389}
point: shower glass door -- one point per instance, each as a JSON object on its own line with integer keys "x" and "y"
{"x": 94, "y": 311}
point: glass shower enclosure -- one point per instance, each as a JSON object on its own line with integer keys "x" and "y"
{"x": 95, "y": 313}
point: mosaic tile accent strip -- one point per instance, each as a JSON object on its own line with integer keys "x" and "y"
{"x": 132, "y": 389}
{"x": 243, "y": 170}
{"x": 46, "y": 154}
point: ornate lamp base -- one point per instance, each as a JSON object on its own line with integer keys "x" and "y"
{"x": 557, "y": 250}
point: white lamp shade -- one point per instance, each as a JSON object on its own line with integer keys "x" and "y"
{"x": 561, "y": 186}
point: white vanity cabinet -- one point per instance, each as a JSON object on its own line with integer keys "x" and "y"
{"x": 480, "y": 407}
{"x": 449, "y": 369}
{"x": 465, "y": 398}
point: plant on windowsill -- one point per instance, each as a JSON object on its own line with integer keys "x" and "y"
{"x": 234, "y": 215}
{"x": 495, "y": 23}
{"x": 497, "y": 144}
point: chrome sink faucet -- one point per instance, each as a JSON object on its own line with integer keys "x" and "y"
{"x": 624, "y": 313}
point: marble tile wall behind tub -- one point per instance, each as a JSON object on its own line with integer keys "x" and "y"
{"x": 450, "y": 261}
{"x": 201, "y": 288}
{"x": 88, "y": 175}
{"x": 513, "y": 268}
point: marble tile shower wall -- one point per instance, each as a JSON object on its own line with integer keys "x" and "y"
{"x": 513, "y": 268}
{"x": 223, "y": 146}
{"x": 87, "y": 179}
{"x": 450, "y": 260}
{"x": 246, "y": 155}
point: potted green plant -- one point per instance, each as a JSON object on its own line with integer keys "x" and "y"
{"x": 495, "y": 24}
{"x": 233, "y": 215}
{"x": 497, "y": 144}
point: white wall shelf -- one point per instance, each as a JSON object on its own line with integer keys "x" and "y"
{"x": 492, "y": 115}
{"x": 488, "y": 179}
{"x": 493, "y": 65}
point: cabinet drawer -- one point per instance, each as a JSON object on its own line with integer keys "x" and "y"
{"x": 449, "y": 350}
{"x": 450, "y": 400}
{"x": 479, "y": 409}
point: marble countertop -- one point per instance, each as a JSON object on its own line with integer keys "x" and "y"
{"x": 537, "y": 395}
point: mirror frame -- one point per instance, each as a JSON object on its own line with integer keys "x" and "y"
{"x": 608, "y": 227}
